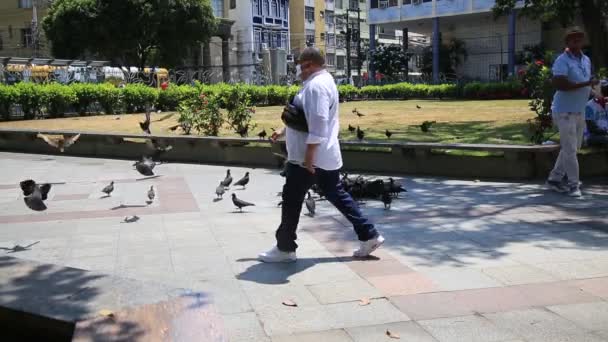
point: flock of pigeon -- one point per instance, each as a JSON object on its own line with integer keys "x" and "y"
{"x": 424, "y": 127}
{"x": 359, "y": 187}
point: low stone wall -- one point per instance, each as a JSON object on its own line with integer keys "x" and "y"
{"x": 512, "y": 162}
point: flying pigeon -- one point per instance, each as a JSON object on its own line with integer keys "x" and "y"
{"x": 145, "y": 166}
{"x": 262, "y": 134}
{"x": 158, "y": 148}
{"x": 240, "y": 203}
{"x": 360, "y": 134}
{"x": 228, "y": 180}
{"x": 108, "y": 188}
{"x": 220, "y": 190}
{"x": 35, "y": 194}
{"x": 310, "y": 205}
{"x": 243, "y": 181}
{"x": 145, "y": 126}
{"x": 61, "y": 143}
{"x": 151, "y": 193}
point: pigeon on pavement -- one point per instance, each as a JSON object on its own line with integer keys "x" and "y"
{"x": 61, "y": 143}
{"x": 108, "y": 188}
{"x": 151, "y": 193}
{"x": 243, "y": 181}
{"x": 387, "y": 199}
{"x": 220, "y": 190}
{"x": 228, "y": 180}
{"x": 131, "y": 219}
{"x": 240, "y": 203}
{"x": 145, "y": 166}
{"x": 310, "y": 205}
{"x": 35, "y": 194}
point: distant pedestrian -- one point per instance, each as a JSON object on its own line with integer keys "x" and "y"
{"x": 596, "y": 117}
{"x": 314, "y": 157}
{"x": 573, "y": 81}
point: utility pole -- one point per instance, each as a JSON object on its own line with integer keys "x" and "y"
{"x": 359, "y": 61}
{"x": 34, "y": 30}
{"x": 348, "y": 36}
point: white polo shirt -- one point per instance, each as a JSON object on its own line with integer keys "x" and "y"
{"x": 320, "y": 101}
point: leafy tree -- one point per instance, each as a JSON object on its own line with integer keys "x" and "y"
{"x": 451, "y": 56}
{"x": 390, "y": 60}
{"x": 594, "y": 14}
{"x": 128, "y": 32}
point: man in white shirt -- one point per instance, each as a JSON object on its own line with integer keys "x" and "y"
{"x": 314, "y": 157}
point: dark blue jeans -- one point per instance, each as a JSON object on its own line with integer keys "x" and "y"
{"x": 298, "y": 182}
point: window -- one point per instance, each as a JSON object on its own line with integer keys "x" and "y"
{"x": 339, "y": 4}
{"x": 26, "y": 37}
{"x": 274, "y": 8}
{"x": 330, "y": 59}
{"x": 309, "y": 13}
{"x": 257, "y": 8}
{"x": 266, "y": 7}
{"x": 283, "y": 9}
{"x": 329, "y": 17}
{"x": 310, "y": 37}
{"x": 218, "y": 8}
{"x": 353, "y": 4}
{"x": 387, "y": 3}
{"x": 257, "y": 38}
{"x": 340, "y": 62}
{"x": 232, "y": 4}
{"x": 330, "y": 40}
{"x": 24, "y": 4}
{"x": 341, "y": 42}
{"x": 284, "y": 40}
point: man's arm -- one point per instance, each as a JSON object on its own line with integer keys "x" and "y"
{"x": 562, "y": 83}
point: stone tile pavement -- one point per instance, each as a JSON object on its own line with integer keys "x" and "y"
{"x": 463, "y": 260}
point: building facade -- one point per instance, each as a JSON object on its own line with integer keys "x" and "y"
{"x": 491, "y": 44}
{"x": 20, "y": 31}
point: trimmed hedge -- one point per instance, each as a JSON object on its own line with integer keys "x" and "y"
{"x": 55, "y": 99}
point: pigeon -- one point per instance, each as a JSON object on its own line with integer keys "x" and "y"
{"x": 60, "y": 143}
{"x": 280, "y": 204}
{"x": 310, "y": 205}
{"x": 145, "y": 166}
{"x": 351, "y": 128}
{"x": 426, "y": 126}
{"x": 151, "y": 193}
{"x": 240, "y": 203}
{"x": 395, "y": 187}
{"x": 228, "y": 180}
{"x": 387, "y": 199}
{"x": 174, "y": 128}
{"x": 35, "y": 194}
{"x": 360, "y": 134}
{"x": 19, "y": 248}
{"x": 145, "y": 126}
{"x": 243, "y": 181}
{"x": 262, "y": 134}
{"x": 417, "y": 106}
{"x": 158, "y": 148}
{"x": 108, "y": 188}
{"x": 359, "y": 114}
{"x": 219, "y": 191}
{"x": 388, "y": 134}
{"x": 243, "y": 131}
{"x": 131, "y": 219}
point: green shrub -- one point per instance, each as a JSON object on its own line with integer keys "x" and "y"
{"x": 8, "y": 97}
{"x": 109, "y": 98}
{"x": 59, "y": 98}
{"x": 240, "y": 110}
{"x": 170, "y": 98}
{"x": 347, "y": 91}
{"x": 86, "y": 95}
{"x": 31, "y": 97}
{"x": 138, "y": 96}
{"x": 277, "y": 95}
{"x": 494, "y": 90}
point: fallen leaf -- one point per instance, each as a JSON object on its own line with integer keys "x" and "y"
{"x": 364, "y": 301}
{"x": 289, "y": 302}
{"x": 392, "y": 335}
{"x": 106, "y": 313}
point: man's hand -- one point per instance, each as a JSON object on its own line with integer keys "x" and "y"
{"x": 309, "y": 158}
{"x": 594, "y": 81}
{"x": 276, "y": 135}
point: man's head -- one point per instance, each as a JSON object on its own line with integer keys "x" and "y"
{"x": 310, "y": 61}
{"x": 575, "y": 39}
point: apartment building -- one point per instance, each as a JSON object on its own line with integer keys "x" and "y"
{"x": 20, "y": 31}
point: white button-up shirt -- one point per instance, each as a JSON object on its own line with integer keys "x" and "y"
{"x": 320, "y": 101}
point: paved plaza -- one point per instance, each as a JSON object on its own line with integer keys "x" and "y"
{"x": 464, "y": 260}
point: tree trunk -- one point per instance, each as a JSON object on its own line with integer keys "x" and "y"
{"x": 595, "y": 26}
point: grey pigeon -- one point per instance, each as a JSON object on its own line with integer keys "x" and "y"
{"x": 131, "y": 219}
{"x": 35, "y": 194}
{"x": 387, "y": 199}
{"x": 151, "y": 193}
{"x": 145, "y": 166}
{"x": 310, "y": 205}
{"x": 108, "y": 188}
{"x": 243, "y": 181}
{"x": 240, "y": 203}
{"x": 228, "y": 180}
{"x": 220, "y": 190}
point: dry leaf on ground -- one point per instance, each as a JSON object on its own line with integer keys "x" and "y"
{"x": 289, "y": 302}
{"x": 392, "y": 335}
{"x": 364, "y": 301}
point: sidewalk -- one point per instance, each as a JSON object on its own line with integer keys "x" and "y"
{"x": 463, "y": 260}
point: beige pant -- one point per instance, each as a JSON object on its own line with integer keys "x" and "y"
{"x": 571, "y": 127}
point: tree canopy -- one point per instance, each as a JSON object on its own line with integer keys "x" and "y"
{"x": 594, "y": 15}
{"x": 390, "y": 60}
{"x": 128, "y": 32}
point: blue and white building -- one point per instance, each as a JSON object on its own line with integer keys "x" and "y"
{"x": 492, "y": 44}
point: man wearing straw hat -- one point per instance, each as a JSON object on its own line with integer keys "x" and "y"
{"x": 573, "y": 81}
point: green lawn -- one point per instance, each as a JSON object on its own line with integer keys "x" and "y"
{"x": 496, "y": 122}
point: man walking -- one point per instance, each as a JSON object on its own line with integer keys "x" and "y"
{"x": 573, "y": 81}
{"x": 315, "y": 157}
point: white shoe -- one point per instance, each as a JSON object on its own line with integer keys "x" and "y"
{"x": 575, "y": 192}
{"x": 277, "y": 255}
{"x": 367, "y": 247}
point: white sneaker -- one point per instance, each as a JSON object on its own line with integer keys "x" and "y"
{"x": 277, "y": 255}
{"x": 367, "y": 247}
{"x": 575, "y": 192}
